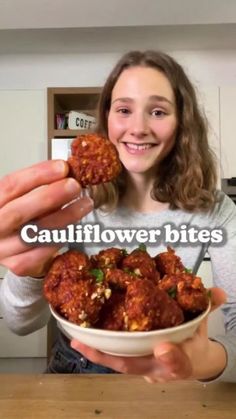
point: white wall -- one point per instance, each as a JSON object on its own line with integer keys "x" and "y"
{"x": 36, "y": 59}
{"x": 38, "y": 71}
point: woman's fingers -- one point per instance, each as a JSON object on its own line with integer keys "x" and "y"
{"x": 18, "y": 183}
{"x": 70, "y": 214}
{"x": 14, "y": 245}
{"x": 37, "y": 203}
{"x": 218, "y": 297}
{"x": 174, "y": 360}
{"x": 126, "y": 365}
{"x": 35, "y": 262}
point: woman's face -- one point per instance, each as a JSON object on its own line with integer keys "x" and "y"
{"x": 142, "y": 120}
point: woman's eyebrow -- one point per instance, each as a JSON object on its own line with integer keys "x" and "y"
{"x": 157, "y": 98}
{"x": 122, "y": 99}
{"x": 161, "y": 99}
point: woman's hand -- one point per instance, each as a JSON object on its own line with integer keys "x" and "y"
{"x": 36, "y": 193}
{"x": 195, "y": 358}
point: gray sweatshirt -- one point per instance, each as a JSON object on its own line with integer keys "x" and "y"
{"x": 192, "y": 235}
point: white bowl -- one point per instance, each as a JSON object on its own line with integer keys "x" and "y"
{"x": 128, "y": 343}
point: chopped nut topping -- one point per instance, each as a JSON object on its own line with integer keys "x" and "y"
{"x": 126, "y": 319}
{"x": 85, "y": 324}
{"x": 137, "y": 271}
{"x": 94, "y": 295}
{"x": 100, "y": 291}
{"x": 82, "y": 315}
{"x": 107, "y": 293}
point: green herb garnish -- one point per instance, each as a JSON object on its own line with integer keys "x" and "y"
{"x": 209, "y": 293}
{"x": 142, "y": 247}
{"x": 172, "y": 292}
{"x": 189, "y": 271}
{"x": 98, "y": 273}
{"x": 124, "y": 251}
{"x": 128, "y": 271}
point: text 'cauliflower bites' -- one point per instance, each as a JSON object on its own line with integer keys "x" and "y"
{"x": 94, "y": 160}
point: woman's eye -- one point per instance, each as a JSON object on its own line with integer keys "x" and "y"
{"x": 158, "y": 112}
{"x": 123, "y": 111}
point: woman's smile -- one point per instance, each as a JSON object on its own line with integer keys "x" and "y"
{"x": 138, "y": 149}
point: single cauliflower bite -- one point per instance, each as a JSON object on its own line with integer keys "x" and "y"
{"x": 141, "y": 263}
{"x": 187, "y": 289}
{"x": 119, "y": 279}
{"x": 191, "y": 294}
{"x": 149, "y": 308}
{"x": 169, "y": 314}
{"x": 168, "y": 262}
{"x": 94, "y": 160}
{"x": 70, "y": 267}
{"x": 81, "y": 302}
{"x": 73, "y": 291}
{"x": 140, "y": 306}
{"x": 109, "y": 258}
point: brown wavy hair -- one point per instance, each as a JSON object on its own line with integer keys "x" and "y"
{"x": 186, "y": 178}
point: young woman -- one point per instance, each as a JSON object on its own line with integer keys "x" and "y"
{"x": 148, "y": 109}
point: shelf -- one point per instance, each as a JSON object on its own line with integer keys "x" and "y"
{"x": 65, "y": 99}
{"x": 67, "y": 133}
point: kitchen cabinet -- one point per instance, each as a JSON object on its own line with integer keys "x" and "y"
{"x": 228, "y": 131}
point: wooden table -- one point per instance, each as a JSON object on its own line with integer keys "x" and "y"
{"x": 112, "y": 397}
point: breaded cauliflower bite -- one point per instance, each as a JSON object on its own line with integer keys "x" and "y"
{"x": 72, "y": 289}
{"x": 187, "y": 289}
{"x": 69, "y": 266}
{"x": 191, "y": 294}
{"x": 168, "y": 262}
{"x": 149, "y": 308}
{"x": 82, "y": 302}
{"x": 94, "y": 159}
{"x": 119, "y": 279}
{"x": 109, "y": 258}
{"x": 141, "y": 264}
{"x": 140, "y": 306}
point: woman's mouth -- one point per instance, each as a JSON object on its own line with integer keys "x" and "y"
{"x": 138, "y": 148}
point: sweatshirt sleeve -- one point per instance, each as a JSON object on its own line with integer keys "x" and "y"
{"x": 22, "y": 303}
{"x": 223, "y": 259}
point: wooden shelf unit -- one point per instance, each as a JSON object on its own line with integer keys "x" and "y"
{"x": 65, "y": 99}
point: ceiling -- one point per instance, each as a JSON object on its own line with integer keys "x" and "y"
{"x": 39, "y": 14}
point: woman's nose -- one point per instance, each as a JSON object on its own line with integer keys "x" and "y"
{"x": 139, "y": 126}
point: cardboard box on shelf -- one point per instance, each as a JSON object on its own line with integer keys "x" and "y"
{"x": 79, "y": 120}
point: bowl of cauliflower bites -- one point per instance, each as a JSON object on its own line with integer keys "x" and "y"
{"x": 125, "y": 304}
